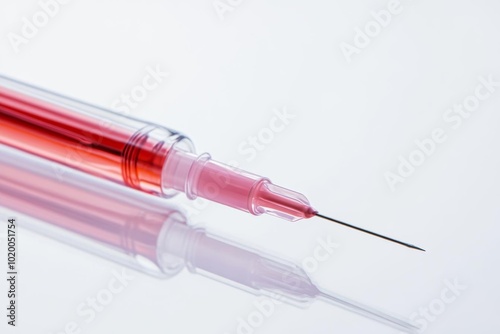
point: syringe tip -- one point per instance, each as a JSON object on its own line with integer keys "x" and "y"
{"x": 369, "y": 232}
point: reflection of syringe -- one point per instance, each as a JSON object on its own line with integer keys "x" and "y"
{"x": 145, "y": 234}
{"x": 141, "y": 155}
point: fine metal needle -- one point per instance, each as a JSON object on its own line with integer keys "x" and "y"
{"x": 369, "y": 232}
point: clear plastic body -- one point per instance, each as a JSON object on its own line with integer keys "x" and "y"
{"x": 148, "y": 235}
{"x": 141, "y": 155}
{"x": 85, "y": 137}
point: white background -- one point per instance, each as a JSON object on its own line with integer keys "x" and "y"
{"x": 352, "y": 122}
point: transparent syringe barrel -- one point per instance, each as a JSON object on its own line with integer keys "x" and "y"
{"x": 138, "y": 154}
{"x": 89, "y": 138}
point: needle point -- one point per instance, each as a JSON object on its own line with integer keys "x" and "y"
{"x": 369, "y": 232}
{"x": 418, "y": 248}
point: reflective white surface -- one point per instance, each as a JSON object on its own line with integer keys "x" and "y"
{"x": 228, "y": 81}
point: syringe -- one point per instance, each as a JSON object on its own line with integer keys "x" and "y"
{"x": 141, "y": 155}
{"x": 146, "y": 234}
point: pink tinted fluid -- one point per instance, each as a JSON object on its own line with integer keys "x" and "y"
{"x": 284, "y": 204}
{"x": 250, "y": 192}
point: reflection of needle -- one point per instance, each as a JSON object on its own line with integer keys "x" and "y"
{"x": 369, "y": 312}
{"x": 369, "y": 232}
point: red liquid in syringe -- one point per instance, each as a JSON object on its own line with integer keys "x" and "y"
{"x": 80, "y": 141}
{"x": 133, "y": 152}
